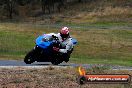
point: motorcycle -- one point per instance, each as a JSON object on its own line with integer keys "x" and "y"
{"x": 43, "y": 50}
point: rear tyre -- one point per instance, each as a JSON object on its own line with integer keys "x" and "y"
{"x": 56, "y": 62}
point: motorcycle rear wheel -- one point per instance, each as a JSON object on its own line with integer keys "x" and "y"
{"x": 56, "y": 62}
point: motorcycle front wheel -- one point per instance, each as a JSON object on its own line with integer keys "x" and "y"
{"x": 29, "y": 57}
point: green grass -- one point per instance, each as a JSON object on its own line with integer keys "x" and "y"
{"x": 14, "y": 44}
{"x": 94, "y": 45}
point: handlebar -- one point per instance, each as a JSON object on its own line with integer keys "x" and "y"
{"x": 55, "y": 38}
{"x": 56, "y": 41}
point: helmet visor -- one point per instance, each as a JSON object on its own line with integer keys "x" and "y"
{"x": 64, "y": 35}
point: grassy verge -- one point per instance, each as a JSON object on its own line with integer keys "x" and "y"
{"x": 94, "y": 46}
{"x": 53, "y": 78}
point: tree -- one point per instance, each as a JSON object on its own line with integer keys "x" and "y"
{"x": 23, "y": 2}
{"x": 79, "y": 0}
{"x": 50, "y": 5}
{"x": 47, "y": 4}
{"x": 10, "y": 7}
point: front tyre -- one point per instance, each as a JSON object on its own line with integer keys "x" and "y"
{"x": 29, "y": 58}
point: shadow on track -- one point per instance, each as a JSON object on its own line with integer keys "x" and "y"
{"x": 49, "y": 64}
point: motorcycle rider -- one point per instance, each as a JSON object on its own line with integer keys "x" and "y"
{"x": 66, "y": 43}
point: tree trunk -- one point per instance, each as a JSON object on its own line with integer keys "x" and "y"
{"x": 10, "y": 8}
{"x": 79, "y": 0}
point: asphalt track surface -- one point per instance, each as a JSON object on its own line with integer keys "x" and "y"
{"x": 16, "y": 63}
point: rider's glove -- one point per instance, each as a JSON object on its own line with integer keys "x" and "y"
{"x": 56, "y": 49}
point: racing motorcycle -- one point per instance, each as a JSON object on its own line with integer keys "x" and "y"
{"x": 43, "y": 50}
